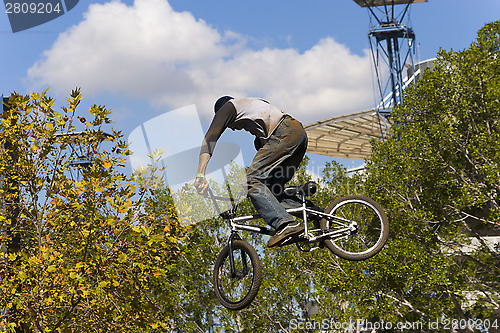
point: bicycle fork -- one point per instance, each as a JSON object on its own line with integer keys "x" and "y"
{"x": 244, "y": 272}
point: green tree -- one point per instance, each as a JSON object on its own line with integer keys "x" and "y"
{"x": 438, "y": 177}
{"x": 91, "y": 256}
{"x": 291, "y": 286}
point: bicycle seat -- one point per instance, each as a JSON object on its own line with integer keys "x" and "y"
{"x": 306, "y": 189}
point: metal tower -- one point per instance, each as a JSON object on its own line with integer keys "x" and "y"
{"x": 392, "y": 43}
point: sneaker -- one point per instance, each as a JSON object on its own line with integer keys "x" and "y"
{"x": 291, "y": 229}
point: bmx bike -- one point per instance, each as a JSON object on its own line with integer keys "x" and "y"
{"x": 353, "y": 227}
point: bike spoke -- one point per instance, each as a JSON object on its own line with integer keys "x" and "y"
{"x": 359, "y": 241}
{"x": 365, "y": 229}
{"x": 237, "y": 287}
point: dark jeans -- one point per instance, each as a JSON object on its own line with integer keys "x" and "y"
{"x": 272, "y": 167}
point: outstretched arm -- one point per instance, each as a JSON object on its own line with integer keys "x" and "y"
{"x": 201, "y": 183}
{"x": 222, "y": 119}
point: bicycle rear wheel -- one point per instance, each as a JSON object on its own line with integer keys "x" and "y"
{"x": 370, "y": 233}
{"x": 238, "y": 289}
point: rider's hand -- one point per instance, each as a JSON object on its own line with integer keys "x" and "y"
{"x": 201, "y": 185}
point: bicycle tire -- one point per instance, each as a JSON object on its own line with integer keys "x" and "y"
{"x": 236, "y": 293}
{"x": 372, "y": 227}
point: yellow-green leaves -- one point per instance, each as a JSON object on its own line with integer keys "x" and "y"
{"x": 83, "y": 252}
{"x": 122, "y": 258}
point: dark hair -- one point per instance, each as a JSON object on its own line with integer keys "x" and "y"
{"x": 220, "y": 102}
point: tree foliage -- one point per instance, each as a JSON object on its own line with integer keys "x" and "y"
{"x": 97, "y": 254}
{"x": 292, "y": 283}
{"x": 439, "y": 177}
{"x": 82, "y": 253}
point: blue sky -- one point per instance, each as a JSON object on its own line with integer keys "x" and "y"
{"x": 143, "y": 58}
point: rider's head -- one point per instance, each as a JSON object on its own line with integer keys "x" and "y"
{"x": 220, "y": 102}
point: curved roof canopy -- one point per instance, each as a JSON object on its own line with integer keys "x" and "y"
{"x": 346, "y": 136}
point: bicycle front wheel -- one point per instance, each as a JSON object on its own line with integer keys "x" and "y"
{"x": 370, "y": 232}
{"x": 237, "y": 288}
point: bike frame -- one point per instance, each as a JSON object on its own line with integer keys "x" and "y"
{"x": 236, "y": 222}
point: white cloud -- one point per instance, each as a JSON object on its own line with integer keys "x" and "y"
{"x": 148, "y": 50}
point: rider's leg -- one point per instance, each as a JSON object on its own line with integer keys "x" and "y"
{"x": 274, "y": 165}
